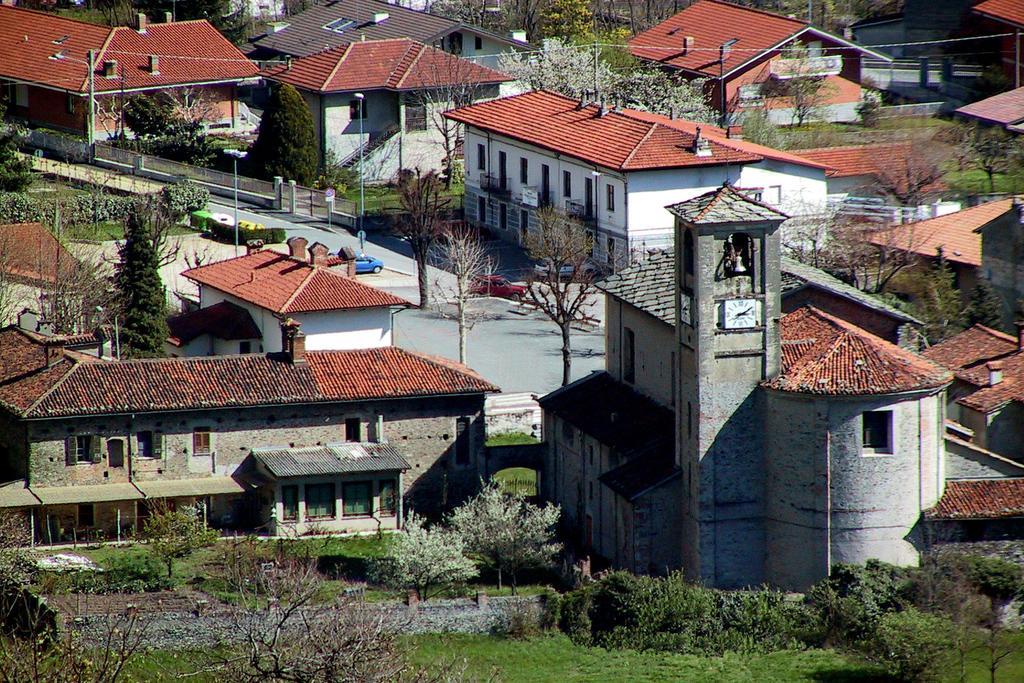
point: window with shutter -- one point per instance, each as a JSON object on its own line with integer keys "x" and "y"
{"x": 71, "y": 450}
{"x": 158, "y": 444}
{"x": 94, "y": 447}
{"x": 201, "y": 441}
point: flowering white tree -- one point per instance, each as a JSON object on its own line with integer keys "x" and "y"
{"x": 569, "y": 69}
{"x": 508, "y": 531}
{"x": 461, "y": 254}
{"x": 425, "y": 559}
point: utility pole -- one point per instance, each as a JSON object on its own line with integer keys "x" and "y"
{"x": 90, "y": 119}
{"x": 597, "y": 78}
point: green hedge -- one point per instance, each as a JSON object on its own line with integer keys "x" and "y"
{"x": 202, "y": 220}
{"x": 18, "y": 207}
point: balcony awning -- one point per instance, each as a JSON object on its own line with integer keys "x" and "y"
{"x": 96, "y": 493}
{"x": 203, "y": 486}
{"x": 16, "y": 495}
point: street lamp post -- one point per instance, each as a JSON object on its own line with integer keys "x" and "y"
{"x": 362, "y": 149}
{"x": 235, "y": 155}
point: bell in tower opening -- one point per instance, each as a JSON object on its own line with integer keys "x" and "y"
{"x": 738, "y": 259}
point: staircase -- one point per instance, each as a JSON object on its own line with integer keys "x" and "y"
{"x": 373, "y": 142}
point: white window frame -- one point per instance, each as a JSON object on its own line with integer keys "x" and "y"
{"x": 890, "y": 449}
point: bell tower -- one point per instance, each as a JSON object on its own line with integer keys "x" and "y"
{"x": 727, "y": 331}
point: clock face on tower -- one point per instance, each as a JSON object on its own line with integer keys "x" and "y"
{"x": 738, "y": 314}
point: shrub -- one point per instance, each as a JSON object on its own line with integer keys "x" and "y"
{"x": 994, "y": 577}
{"x": 520, "y": 619}
{"x": 848, "y": 604}
{"x": 17, "y": 207}
{"x": 574, "y": 615}
{"x": 183, "y": 198}
{"x": 870, "y": 110}
{"x": 911, "y": 645}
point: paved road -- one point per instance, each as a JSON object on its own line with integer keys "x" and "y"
{"x": 516, "y": 349}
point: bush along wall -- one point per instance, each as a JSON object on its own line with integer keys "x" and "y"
{"x": 18, "y": 207}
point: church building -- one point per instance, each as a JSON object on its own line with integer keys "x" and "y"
{"x": 797, "y": 440}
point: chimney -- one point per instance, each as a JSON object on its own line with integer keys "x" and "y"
{"x": 168, "y": 18}
{"x": 141, "y": 22}
{"x": 688, "y": 43}
{"x": 293, "y": 342}
{"x": 110, "y": 68}
{"x": 297, "y": 248}
{"x": 348, "y": 258}
{"x": 701, "y": 145}
{"x": 380, "y": 17}
{"x": 54, "y": 353}
{"x": 318, "y": 254}
{"x": 154, "y": 65}
{"x": 252, "y": 246}
{"x": 995, "y": 372}
{"x": 734, "y": 132}
{"x": 1020, "y": 334}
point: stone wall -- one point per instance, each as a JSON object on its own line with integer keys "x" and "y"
{"x": 1002, "y": 262}
{"x": 423, "y": 430}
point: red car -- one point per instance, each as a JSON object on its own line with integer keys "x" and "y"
{"x": 496, "y": 285}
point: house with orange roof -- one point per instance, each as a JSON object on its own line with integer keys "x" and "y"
{"x": 1005, "y": 110}
{"x": 32, "y": 263}
{"x": 244, "y": 300}
{"x": 748, "y": 55}
{"x": 959, "y": 236}
{"x": 378, "y": 103}
{"x": 1002, "y": 242}
{"x": 283, "y": 443}
{"x": 1005, "y": 18}
{"x": 613, "y": 169}
{"x": 52, "y": 66}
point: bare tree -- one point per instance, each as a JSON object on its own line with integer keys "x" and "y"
{"x": 911, "y": 176}
{"x": 424, "y": 220}
{"x": 991, "y": 149}
{"x": 192, "y": 104}
{"x": 460, "y": 253}
{"x": 10, "y": 296}
{"x": 289, "y": 633}
{"x": 451, "y": 83}
{"x": 563, "y": 287}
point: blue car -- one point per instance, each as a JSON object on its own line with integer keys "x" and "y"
{"x": 368, "y": 264}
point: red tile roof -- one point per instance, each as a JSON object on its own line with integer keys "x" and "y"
{"x": 990, "y": 398}
{"x": 223, "y": 320}
{"x": 975, "y": 344}
{"x": 1006, "y": 108}
{"x": 822, "y": 354}
{"x": 619, "y": 140}
{"x": 955, "y": 233}
{"x": 711, "y": 23}
{"x": 75, "y": 385}
{"x": 32, "y": 254}
{"x": 284, "y": 284}
{"x": 854, "y": 160}
{"x": 188, "y": 51}
{"x": 980, "y": 499}
{"x": 1008, "y": 11}
{"x": 398, "y": 64}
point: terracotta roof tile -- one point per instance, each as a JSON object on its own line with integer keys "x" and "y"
{"x": 75, "y": 385}
{"x": 284, "y": 284}
{"x": 980, "y": 499}
{"x": 822, "y": 354}
{"x": 1008, "y": 11}
{"x": 398, "y": 64}
{"x": 975, "y": 344}
{"x": 955, "y": 233}
{"x": 855, "y": 160}
{"x": 1006, "y": 108}
{"x": 710, "y": 23}
{"x": 223, "y": 320}
{"x": 188, "y": 51}
{"x": 33, "y": 254}
{"x": 616, "y": 140}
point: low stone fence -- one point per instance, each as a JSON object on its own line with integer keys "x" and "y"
{"x": 192, "y": 621}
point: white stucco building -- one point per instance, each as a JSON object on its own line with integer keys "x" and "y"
{"x": 379, "y": 103}
{"x": 255, "y": 293}
{"x": 616, "y": 170}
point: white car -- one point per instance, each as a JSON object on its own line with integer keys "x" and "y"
{"x": 566, "y": 270}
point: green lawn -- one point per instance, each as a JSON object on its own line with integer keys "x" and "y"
{"x": 975, "y": 181}
{"x": 384, "y": 198}
{"x": 554, "y": 658}
{"x": 511, "y": 439}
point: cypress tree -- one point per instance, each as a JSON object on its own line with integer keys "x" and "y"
{"x": 15, "y": 171}
{"x": 286, "y": 145}
{"x": 985, "y": 306}
{"x": 141, "y": 292}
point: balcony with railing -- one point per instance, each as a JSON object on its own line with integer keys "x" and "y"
{"x": 580, "y": 211}
{"x": 823, "y": 65}
{"x": 493, "y": 184}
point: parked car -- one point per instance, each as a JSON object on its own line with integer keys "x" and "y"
{"x": 589, "y": 268}
{"x": 496, "y": 285}
{"x": 368, "y": 264}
